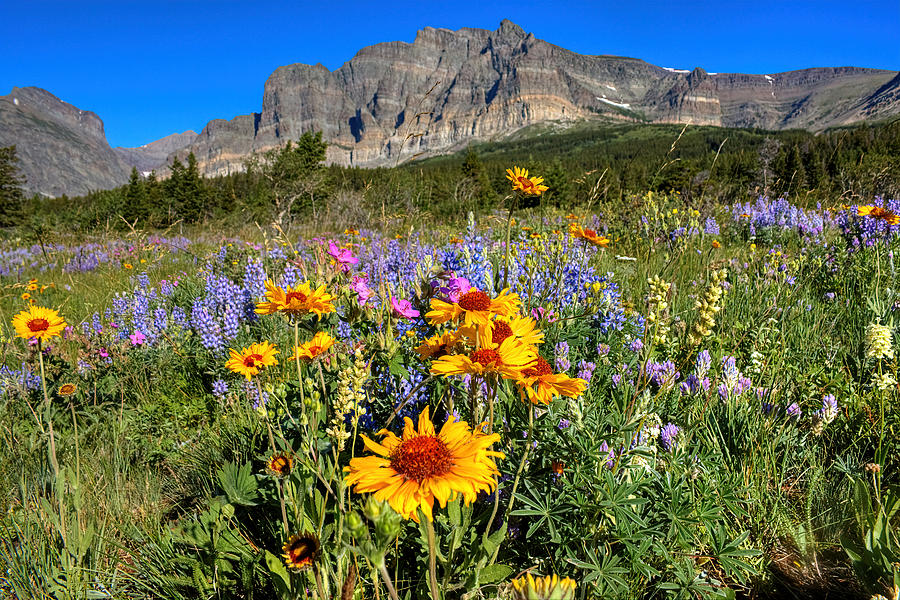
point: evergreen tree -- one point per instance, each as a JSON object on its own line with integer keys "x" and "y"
{"x": 11, "y": 182}
{"x": 135, "y": 208}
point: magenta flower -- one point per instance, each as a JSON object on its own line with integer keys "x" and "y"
{"x": 137, "y": 338}
{"x": 456, "y": 287}
{"x": 343, "y": 256}
{"x": 403, "y": 308}
{"x": 359, "y": 284}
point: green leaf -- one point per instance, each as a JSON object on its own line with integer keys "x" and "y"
{"x": 239, "y": 484}
{"x": 494, "y": 573}
{"x": 281, "y": 579}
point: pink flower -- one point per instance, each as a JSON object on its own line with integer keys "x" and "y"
{"x": 344, "y": 256}
{"x": 137, "y": 338}
{"x": 359, "y": 284}
{"x": 403, "y": 308}
{"x": 457, "y": 286}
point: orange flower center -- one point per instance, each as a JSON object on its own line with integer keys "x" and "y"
{"x": 250, "y": 361}
{"x": 538, "y": 369}
{"x": 280, "y": 464}
{"x": 500, "y": 331}
{"x": 422, "y": 457}
{"x": 486, "y": 357}
{"x": 475, "y": 300}
{"x": 590, "y": 233}
{"x": 36, "y": 325}
{"x": 291, "y": 296}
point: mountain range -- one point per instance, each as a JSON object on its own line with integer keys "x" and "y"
{"x": 395, "y": 101}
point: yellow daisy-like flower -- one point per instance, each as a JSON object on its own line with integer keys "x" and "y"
{"x": 507, "y": 360}
{"x": 38, "y": 322}
{"x": 474, "y": 307}
{"x": 517, "y": 327}
{"x": 437, "y": 345}
{"x": 318, "y": 345}
{"x": 32, "y": 287}
{"x": 301, "y": 551}
{"x": 576, "y": 231}
{"x": 541, "y": 385}
{"x": 249, "y": 361}
{"x": 298, "y": 300}
{"x": 413, "y": 470}
{"x": 877, "y": 212}
{"x": 128, "y": 266}
{"x": 67, "y": 389}
{"x": 531, "y": 186}
{"x": 280, "y": 464}
{"x": 26, "y": 296}
{"x": 543, "y": 588}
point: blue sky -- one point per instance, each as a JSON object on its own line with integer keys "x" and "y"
{"x": 153, "y": 68}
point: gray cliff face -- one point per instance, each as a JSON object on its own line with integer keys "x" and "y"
{"x": 394, "y": 101}
{"x": 61, "y": 149}
{"x": 151, "y": 156}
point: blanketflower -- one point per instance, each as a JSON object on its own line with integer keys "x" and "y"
{"x": 343, "y": 256}
{"x": 438, "y": 345}
{"x": 877, "y": 212}
{"x": 576, "y": 231}
{"x": 250, "y": 360}
{"x": 38, "y": 323}
{"x": 507, "y": 360}
{"x": 318, "y": 345}
{"x": 421, "y": 465}
{"x": 541, "y": 385}
{"x": 297, "y": 300}
{"x": 529, "y": 587}
{"x": 300, "y": 551}
{"x": 531, "y": 186}
{"x": 474, "y": 307}
{"x": 523, "y": 329}
{"x": 403, "y": 308}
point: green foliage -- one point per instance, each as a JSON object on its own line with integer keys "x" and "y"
{"x": 11, "y": 182}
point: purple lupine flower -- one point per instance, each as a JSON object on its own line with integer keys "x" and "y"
{"x": 793, "y": 411}
{"x": 562, "y": 357}
{"x": 564, "y": 424}
{"x": 586, "y": 370}
{"x": 702, "y": 364}
{"x": 710, "y": 227}
{"x": 219, "y": 388}
{"x": 636, "y": 345}
{"x": 668, "y": 435}
{"x": 610, "y": 455}
{"x": 602, "y": 350}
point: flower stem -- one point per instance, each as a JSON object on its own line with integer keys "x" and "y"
{"x": 53, "y": 460}
{"x": 386, "y": 577}
{"x": 432, "y": 561}
{"x": 512, "y": 494}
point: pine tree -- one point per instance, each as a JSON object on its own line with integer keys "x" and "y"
{"x": 11, "y": 182}
{"x": 135, "y": 208}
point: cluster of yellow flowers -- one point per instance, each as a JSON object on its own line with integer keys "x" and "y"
{"x": 293, "y": 302}
{"x": 349, "y": 398}
{"x": 658, "y": 309}
{"x": 707, "y": 306}
{"x": 492, "y": 338}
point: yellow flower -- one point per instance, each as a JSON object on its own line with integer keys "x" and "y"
{"x": 413, "y": 470}
{"x": 26, "y": 296}
{"x": 128, "y": 266}
{"x": 523, "y": 329}
{"x": 296, "y": 300}
{"x": 531, "y": 186}
{"x": 67, "y": 389}
{"x": 437, "y": 345}
{"x": 543, "y": 588}
{"x": 716, "y": 244}
{"x": 249, "y": 361}
{"x": 300, "y": 551}
{"x": 351, "y": 231}
{"x": 38, "y": 322}
{"x": 507, "y": 360}
{"x": 32, "y": 287}
{"x": 589, "y": 235}
{"x": 474, "y": 307}
{"x": 541, "y": 385}
{"x": 319, "y": 344}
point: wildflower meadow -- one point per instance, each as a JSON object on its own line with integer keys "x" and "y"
{"x": 652, "y": 398}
